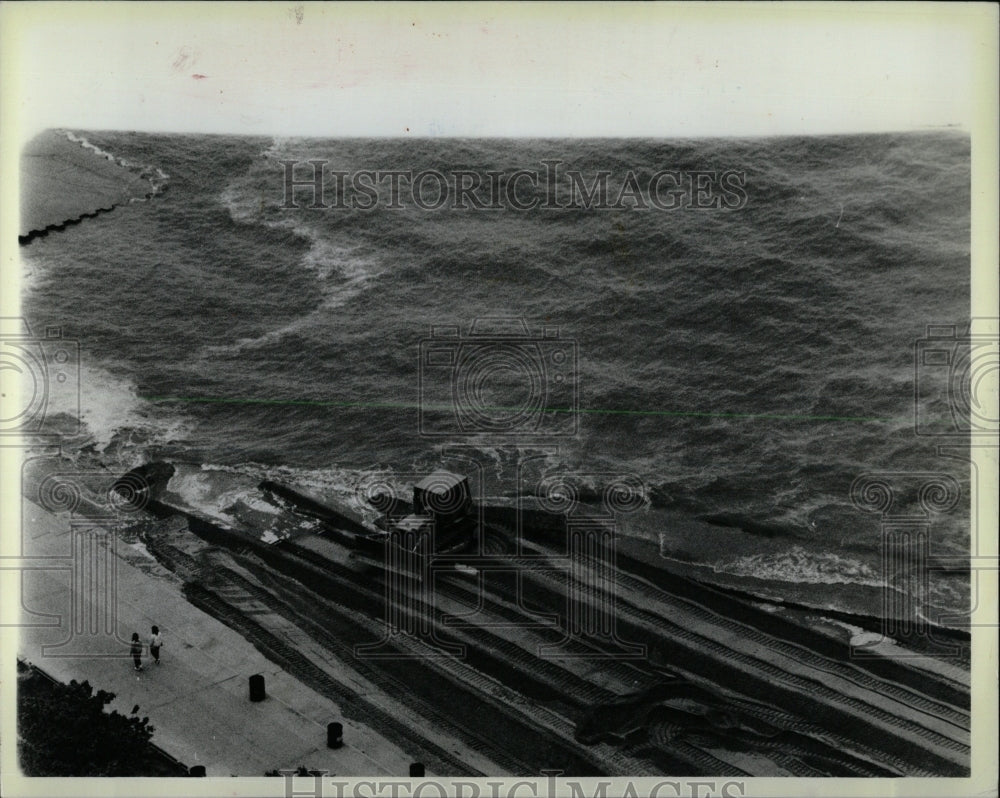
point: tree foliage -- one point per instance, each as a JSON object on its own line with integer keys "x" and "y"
{"x": 64, "y": 730}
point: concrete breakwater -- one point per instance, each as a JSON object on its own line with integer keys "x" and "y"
{"x": 65, "y": 180}
{"x": 525, "y": 650}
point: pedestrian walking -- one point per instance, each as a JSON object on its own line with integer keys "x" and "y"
{"x": 155, "y": 642}
{"x": 136, "y": 651}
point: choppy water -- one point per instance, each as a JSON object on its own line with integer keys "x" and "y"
{"x": 748, "y": 363}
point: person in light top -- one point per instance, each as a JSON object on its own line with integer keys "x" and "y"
{"x": 155, "y": 642}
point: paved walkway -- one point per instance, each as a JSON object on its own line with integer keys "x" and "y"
{"x": 198, "y": 698}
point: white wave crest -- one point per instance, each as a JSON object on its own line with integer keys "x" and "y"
{"x": 800, "y": 566}
{"x": 153, "y": 175}
{"x": 334, "y": 481}
{"x": 110, "y": 410}
{"x": 341, "y": 270}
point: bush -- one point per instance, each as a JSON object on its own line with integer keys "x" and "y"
{"x": 63, "y": 730}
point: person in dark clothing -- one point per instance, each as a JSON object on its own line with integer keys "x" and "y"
{"x": 136, "y": 651}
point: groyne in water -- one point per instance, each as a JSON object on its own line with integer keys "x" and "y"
{"x": 65, "y": 180}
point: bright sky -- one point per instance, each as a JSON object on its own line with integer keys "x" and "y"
{"x": 483, "y": 69}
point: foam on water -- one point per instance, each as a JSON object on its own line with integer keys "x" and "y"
{"x": 801, "y": 566}
{"x": 201, "y": 493}
{"x": 747, "y": 336}
{"x": 82, "y": 141}
{"x": 342, "y": 271}
{"x": 111, "y": 411}
{"x": 342, "y": 483}
{"x": 154, "y": 175}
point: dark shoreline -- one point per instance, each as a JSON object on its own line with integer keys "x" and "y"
{"x": 693, "y": 680}
{"x": 643, "y": 557}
